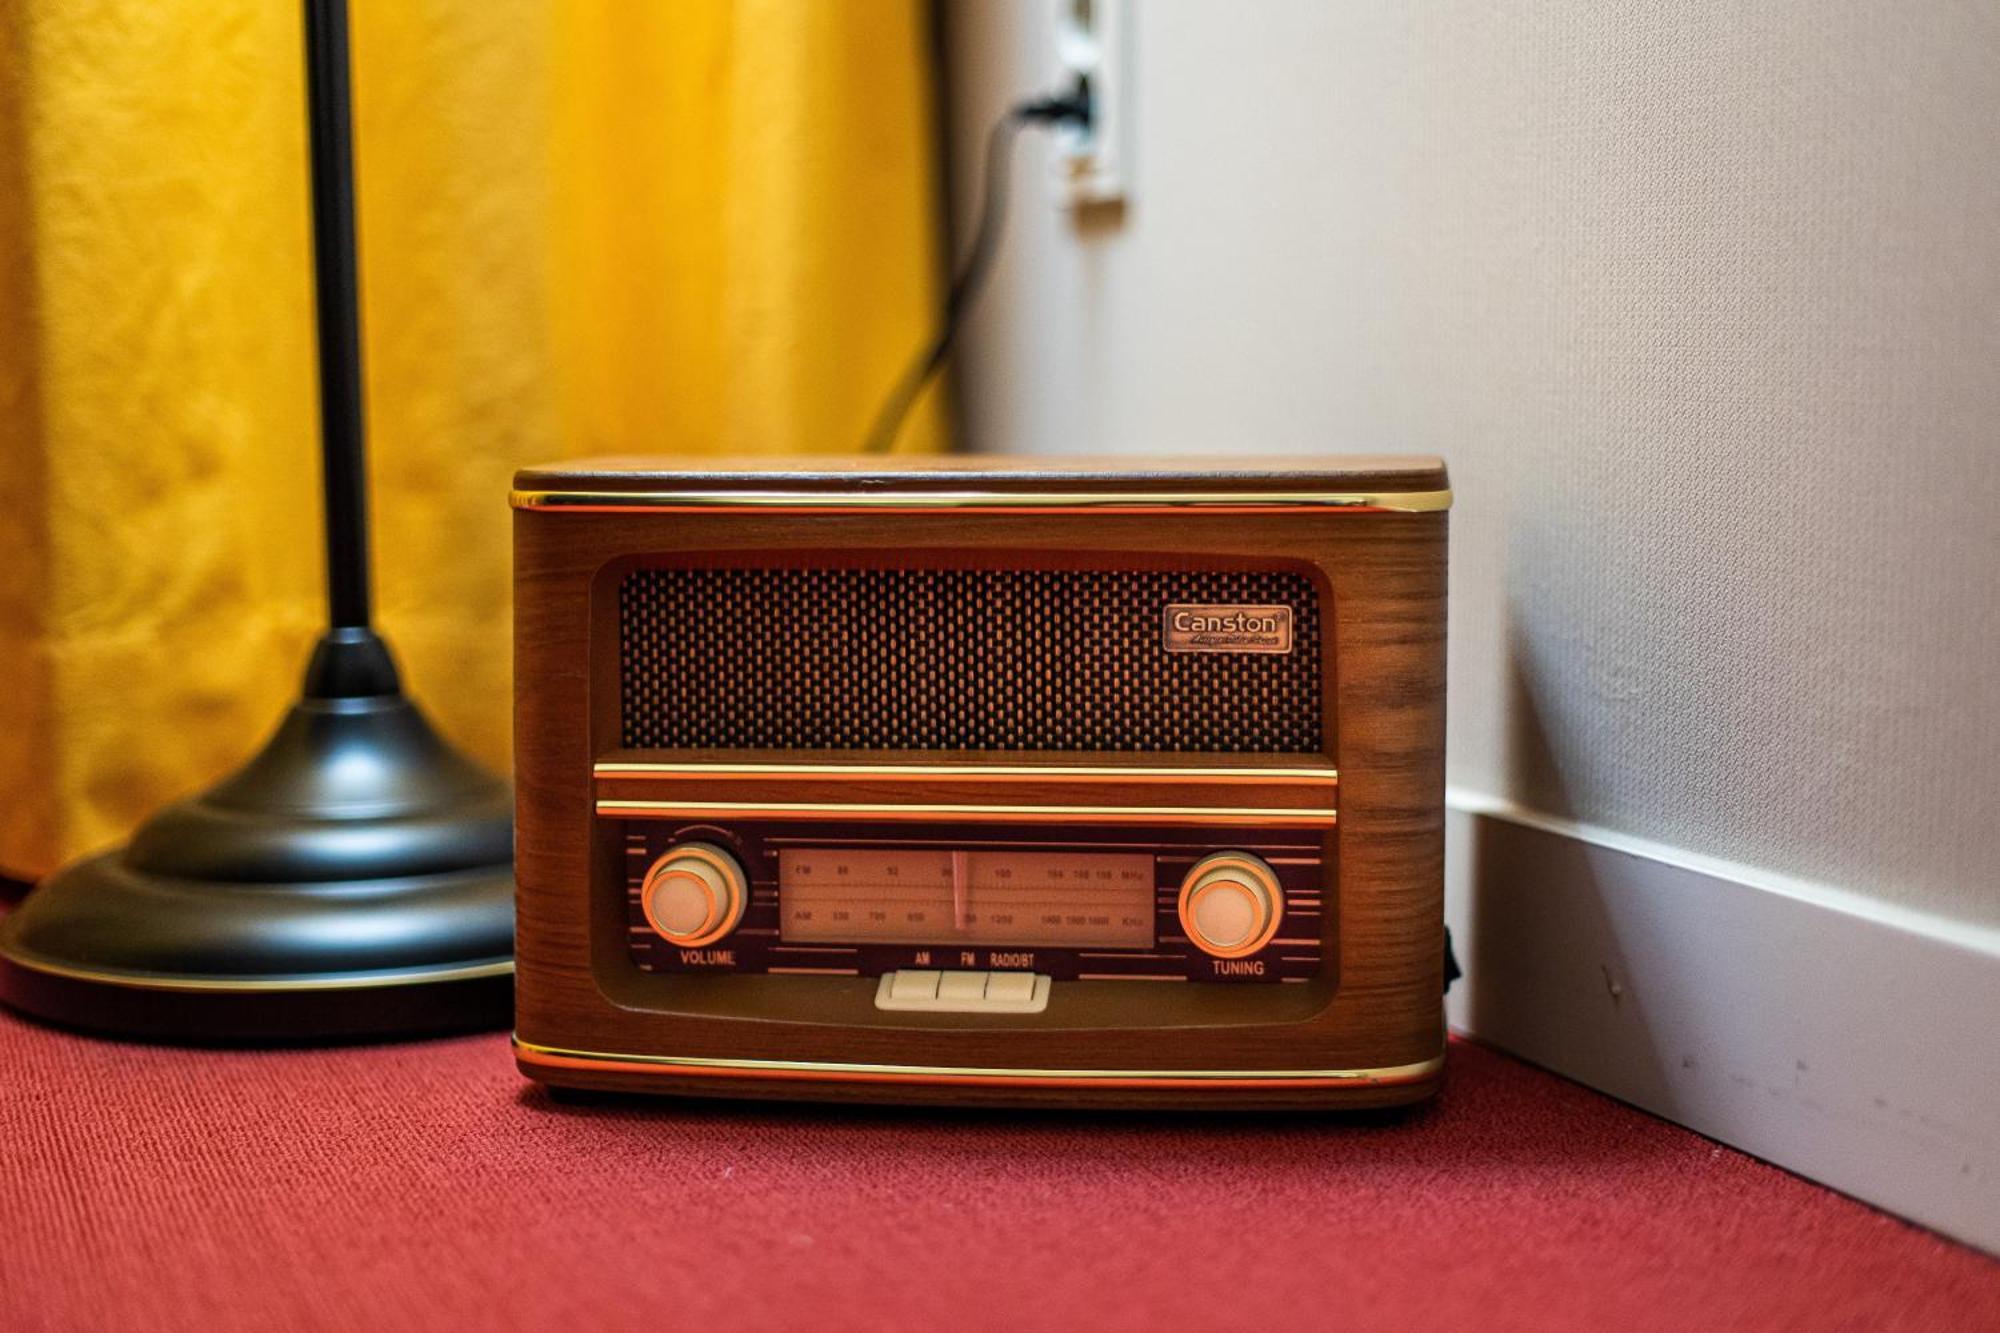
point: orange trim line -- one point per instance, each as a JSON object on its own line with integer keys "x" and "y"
{"x": 945, "y": 507}
{"x": 1178, "y": 816}
{"x": 615, "y": 772}
{"x": 526, "y": 1058}
{"x": 975, "y": 509}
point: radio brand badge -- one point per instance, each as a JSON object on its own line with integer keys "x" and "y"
{"x": 1228, "y": 629}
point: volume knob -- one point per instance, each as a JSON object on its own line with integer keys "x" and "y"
{"x": 1231, "y": 904}
{"x": 694, "y": 894}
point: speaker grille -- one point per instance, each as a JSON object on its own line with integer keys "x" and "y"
{"x": 956, "y": 659}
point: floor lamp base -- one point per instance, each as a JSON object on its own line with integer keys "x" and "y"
{"x": 355, "y": 879}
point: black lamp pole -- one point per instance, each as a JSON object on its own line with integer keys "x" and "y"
{"x": 339, "y": 308}
{"x": 355, "y": 878}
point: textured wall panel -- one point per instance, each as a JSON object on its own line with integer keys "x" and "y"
{"x": 1702, "y": 302}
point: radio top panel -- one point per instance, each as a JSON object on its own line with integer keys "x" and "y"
{"x": 1385, "y": 483}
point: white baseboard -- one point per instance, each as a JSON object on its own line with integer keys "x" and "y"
{"x": 1853, "y": 1043}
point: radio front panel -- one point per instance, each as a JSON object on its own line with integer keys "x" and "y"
{"x": 1076, "y": 903}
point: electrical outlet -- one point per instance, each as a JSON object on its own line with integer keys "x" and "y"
{"x": 1094, "y": 42}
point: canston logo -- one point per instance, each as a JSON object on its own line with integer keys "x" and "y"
{"x": 1227, "y": 629}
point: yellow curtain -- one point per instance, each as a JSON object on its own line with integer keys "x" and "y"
{"x": 685, "y": 226}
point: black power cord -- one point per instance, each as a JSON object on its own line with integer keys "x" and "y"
{"x": 1073, "y": 107}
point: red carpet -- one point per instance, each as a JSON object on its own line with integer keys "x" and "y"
{"x": 425, "y": 1185}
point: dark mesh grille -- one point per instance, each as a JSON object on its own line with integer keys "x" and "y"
{"x": 955, "y": 659}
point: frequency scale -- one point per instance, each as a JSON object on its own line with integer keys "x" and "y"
{"x": 867, "y": 896}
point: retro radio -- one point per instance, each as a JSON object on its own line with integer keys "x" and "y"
{"x": 956, "y": 780}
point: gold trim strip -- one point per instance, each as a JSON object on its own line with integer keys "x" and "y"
{"x": 340, "y": 981}
{"x": 1135, "y": 502}
{"x": 836, "y": 1071}
{"x": 1173, "y": 815}
{"x": 999, "y": 772}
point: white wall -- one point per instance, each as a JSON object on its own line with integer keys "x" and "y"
{"x": 1701, "y": 301}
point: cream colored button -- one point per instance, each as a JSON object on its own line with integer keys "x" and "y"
{"x": 962, "y": 986}
{"x": 1010, "y": 987}
{"x": 682, "y": 904}
{"x": 1225, "y": 913}
{"x": 914, "y": 985}
{"x": 963, "y": 992}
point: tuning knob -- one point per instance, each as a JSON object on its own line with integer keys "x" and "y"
{"x": 1231, "y": 904}
{"x": 694, "y": 894}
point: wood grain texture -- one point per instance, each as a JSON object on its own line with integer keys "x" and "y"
{"x": 1377, "y": 1003}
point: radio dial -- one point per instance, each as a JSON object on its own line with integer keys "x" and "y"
{"x": 695, "y": 894}
{"x": 1231, "y": 904}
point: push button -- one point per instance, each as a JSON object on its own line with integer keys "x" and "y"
{"x": 913, "y": 986}
{"x": 964, "y": 992}
{"x": 962, "y": 986}
{"x": 1010, "y": 987}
